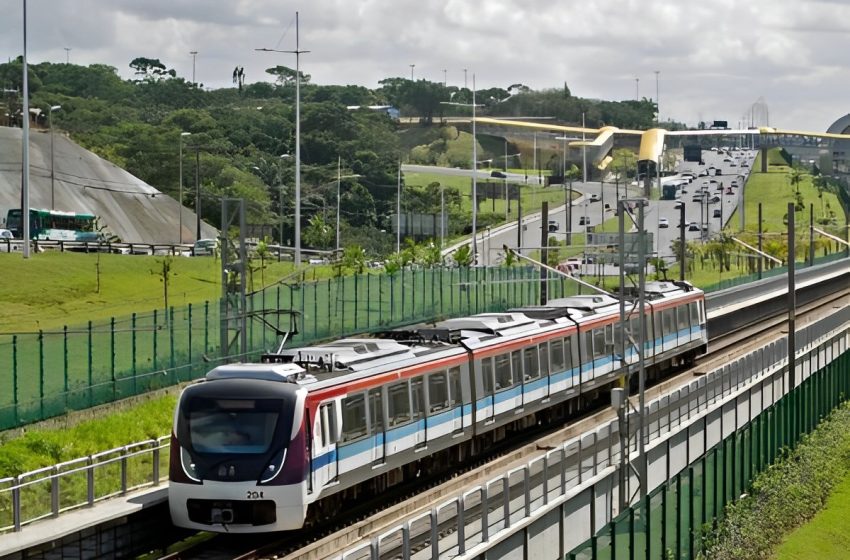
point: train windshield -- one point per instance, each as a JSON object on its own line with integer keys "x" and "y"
{"x": 243, "y": 426}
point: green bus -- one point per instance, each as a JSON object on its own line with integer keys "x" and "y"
{"x": 54, "y": 225}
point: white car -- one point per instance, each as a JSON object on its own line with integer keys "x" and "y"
{"x": 663, "y": 223}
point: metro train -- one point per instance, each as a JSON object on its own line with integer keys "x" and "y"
{"x": 273, "y": 446}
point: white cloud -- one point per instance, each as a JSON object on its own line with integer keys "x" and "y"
{"x": 715, "y": 58}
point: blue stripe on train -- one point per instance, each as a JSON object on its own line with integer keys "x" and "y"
{"x": 350, "y": 450}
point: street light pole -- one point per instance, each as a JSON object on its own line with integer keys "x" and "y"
{"x": 398, "y": 212}
{"x": 338, "y": 164}
{"x": 197, "y": 193}
{"x": 657, "y": 100}
{"x": 52, "y": 172}
{"x": 583, "y": 153}
{"x": 194, "y": 54}
{"x": 412, "y": 66}
{"x": 297, "y": 52}
{"x": 67, "y": 55}
{"x": 180, "y": 191}
{"x": 474, "y": 179}
{"x": 25, "y": 180}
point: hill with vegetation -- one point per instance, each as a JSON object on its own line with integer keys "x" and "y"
{"x": 243, "y": 139}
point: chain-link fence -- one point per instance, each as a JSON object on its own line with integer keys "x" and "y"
{"x": 671, "y": 521}
{"x": 47, "y": 373}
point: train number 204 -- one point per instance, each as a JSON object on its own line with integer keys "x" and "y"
{"x": 253, "y": 495}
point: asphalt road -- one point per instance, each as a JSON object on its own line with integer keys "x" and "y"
{"x": 589, "y": 210}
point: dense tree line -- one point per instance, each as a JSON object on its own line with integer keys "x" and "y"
{"x": 243, "y": 137}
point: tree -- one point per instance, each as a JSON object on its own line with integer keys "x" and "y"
{"x": 318, "y": 233}
{"x": 463, "y": 256}
{"x": 150, "y": 69}
{"x": 285, "y": 76}
{"x": 354, "y": 258}
{"x": 796, "y": 177}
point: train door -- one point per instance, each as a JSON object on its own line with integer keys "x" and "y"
{"x": 417, "y": 410}
{"x": 484, "y": 403}
{"x": 325, "y": 437}
{"x": 377, "y": 425}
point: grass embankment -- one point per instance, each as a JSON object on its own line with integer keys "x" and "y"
{"x": 824, "y": 538}
{"x": 37, "y": 448}
{"x": 51, "y": 289}
{"x": 788, "y": 494}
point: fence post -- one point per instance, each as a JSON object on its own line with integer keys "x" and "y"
{"x": 90, "y": 480}
{"x": 189, "y": 317}
{"x": 16, "y": 503}
{"x": 112, "y": 352}
{"x": 170, "y": 322}
{"x": 206, "y": 327}
{"x": 65, "y": 366}
{"x": 54, "y": 491}
{"x": 156, "y": 453}
{"x": 155, "y": 327}
{"x": 91, "y": 364}
{"x": 356, "y": 300}
{"x": 124, "y": 470}
{"x": 15, "y": 377}
{"x": 41, "y": 373}
{"x": 133, "y": 344}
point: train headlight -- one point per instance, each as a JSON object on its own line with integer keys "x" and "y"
{"x": 274, "y": 467}
{"x": 188, "y": 464}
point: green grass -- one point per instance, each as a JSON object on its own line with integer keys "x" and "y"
{"x": 54, "y": 289}
{"x": 826, "y": 536}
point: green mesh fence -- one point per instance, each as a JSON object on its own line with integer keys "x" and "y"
{"x": 47, "y": 373}
{"x": 669, "y": 523}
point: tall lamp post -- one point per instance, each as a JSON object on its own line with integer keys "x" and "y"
{"x": 339, "y": 178}
{"x": 297, "y": 52}
{"x": 194, "y": 55}
{"x": 52, "y": 173}
{"x": 474, "y": 166}
{"x": 180, "y": 190}
{"x": 657, "y": 100}
{"x": 25, "y": 180}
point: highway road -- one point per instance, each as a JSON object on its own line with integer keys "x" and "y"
{"x": 595, "y": 204}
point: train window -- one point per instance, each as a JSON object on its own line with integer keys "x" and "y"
{"x": 328, "y": 424}
{"x": 438, "y": 392}
{"x": 354, "y": 417}
{"x": 503, "y": 372}
{"x": 682, "y": 315}
{"x": 556, "y": 350}
{"x": 532, "y": 363}
{"x": 487, "y": 375}
{"x": 586, "y": 347}
{"x": 669, "y": 320}
{"x": 417, "y": 397}
{"x": 694, "y": 313}
{"x": 398, "y": 403}
{"x": 376, "y": 410}
{"x": 599, "y": 342}
{"x": 618, "y": 338}
{"x": 456, "y": 396}
{"x": 516, "y": 364}
{"x": 544, "y": 358}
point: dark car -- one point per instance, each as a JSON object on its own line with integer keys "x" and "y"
{"x": 693, "y": 226}
{"x": 717, "y": 213}
{"x": 583, "y": 221}
{"x": 715, "y": 199}
{"x": 498, "y": 174}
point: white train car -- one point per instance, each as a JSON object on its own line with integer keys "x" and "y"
{"x": 317, "y": 427}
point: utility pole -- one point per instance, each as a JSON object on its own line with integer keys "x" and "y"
{"x": 194, "y": 54}
{"x": 297, "y": 52}
{"x": 657, "y": 100}
{"x": 25, "y": 179}
{"x": 197, "y": 193}
{"x": 67, "y": 55}
{"x": 412, "y": 66}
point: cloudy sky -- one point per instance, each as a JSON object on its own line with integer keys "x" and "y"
{"x": 715, "y": 58}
